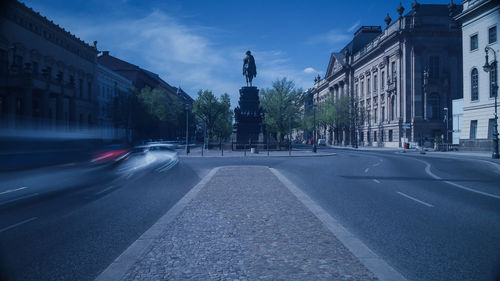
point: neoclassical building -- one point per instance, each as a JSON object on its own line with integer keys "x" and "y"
{"x": 480, "y": 21}
{"x": 47, "y": 75}
{"x": 400, "y": 78}
{"x": 113, "y": 94}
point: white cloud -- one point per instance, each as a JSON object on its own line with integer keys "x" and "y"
{"x": 334, "y": 37}
{"x": 354, "y": 26}
{"x": 310, "y": 70}
{"x": 183, "y": 55}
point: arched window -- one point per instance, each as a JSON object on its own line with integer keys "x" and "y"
{"x": 474, "y": 85}
{"x": 433, "y": 106}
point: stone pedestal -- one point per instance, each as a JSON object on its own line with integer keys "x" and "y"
{"x": 248, "y": 116}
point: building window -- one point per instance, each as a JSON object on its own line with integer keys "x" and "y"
{"x": 382, "y": 114}
{"x": 80, "y": 87}
{"x": 382, "y": 136}
{"x": 34, "y": 66}
{"x": 375, "y": 119}
{"x": 356, "y": 90}
{"x": 375, "y": 88}
{"x": 19, "y": 106}
{"x": 492, "y": 34}
{"x": 89, "y": 90}
{"x": 393, "y": 69}
{"x": 368, "y": 136}
{"x": 393, "y": 108}
{"x": 374, "y": 135}
{"x": 382, "y": 81}
{"x": 368, "y": 86}
{"x": 433, "y": 107}
{"x": 473, "y": 42}
{"x": 473, "y": 129}
{"x": 474, "y": 84}
{"x": 434, "y": 67}
{"x": 390, "y": 135}
{"x": 493, "y": 80}
{"x": 491, "y": 128}
{"x": 4, "y": 61}
{"x": 362, "y": 88}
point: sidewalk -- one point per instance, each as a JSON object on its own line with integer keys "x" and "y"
{"x": 466, "y": 154}
{"x": 247, "y": 223}
{"x": 215, "y": 152}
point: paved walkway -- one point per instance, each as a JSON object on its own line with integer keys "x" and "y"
{"x": 243, "y": 223}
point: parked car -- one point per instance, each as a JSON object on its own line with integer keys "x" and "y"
{"x": 322, "y": 142}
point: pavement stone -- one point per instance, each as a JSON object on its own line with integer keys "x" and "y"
{"x": 246, "y": 225}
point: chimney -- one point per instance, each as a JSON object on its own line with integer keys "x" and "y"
{"x": 105, "y": 53}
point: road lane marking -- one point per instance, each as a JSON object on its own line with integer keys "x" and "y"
{"x": 17, "y": 224}
{"x": 20, "y": 198}
{"x": 430, "y": 173}
{"x": 375, "y": 180}
{"x": 414, "y": 199}
{"x": 368, "y": 258}
{"x": 366, "y": 170}
{"x": 12, "y": 190}
{"x": 104, "y": 190}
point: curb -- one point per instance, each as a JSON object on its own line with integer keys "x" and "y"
{"x": 120, "y": 266}
{"x": 367, "y": 257}
{"x": 265, "y": 156}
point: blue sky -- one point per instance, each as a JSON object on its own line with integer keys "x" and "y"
{"x": 201, "y": 44}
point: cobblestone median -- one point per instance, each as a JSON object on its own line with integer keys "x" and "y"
{"x": 246, "y": 225}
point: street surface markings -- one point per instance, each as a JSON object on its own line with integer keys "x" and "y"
{"x": 414, "y": 199}
{"x": 366, "y": 170}
{"x": 168, "y": 166}
{"x": 12, "y": 190}
{"x": 104, "y": 190}
{"x": 430, "y": 173}
{"x": 20, "y": 198}
{"x": 367, "y": 257}
{"x": 375, "y": 180}
{"x": 17, "y": 224}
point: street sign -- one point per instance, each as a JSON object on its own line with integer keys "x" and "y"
{"x": 406, "y": 126}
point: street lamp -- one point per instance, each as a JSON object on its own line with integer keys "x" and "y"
{"x": 188, "y": 107}
{"x": 446, "y": 120}
{"x": 314, "y": 130}
{"x": 494, "y": 88}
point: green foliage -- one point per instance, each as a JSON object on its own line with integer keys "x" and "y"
{"x": 160, "y": 105}
{"x": 281, "y": 105}
{"x": 335, "y": 112}
{"x": 215, "y": 113}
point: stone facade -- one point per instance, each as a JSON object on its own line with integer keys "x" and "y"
{"x": 47, "y": 75}
{"x": 480, "y": 22}
{"x": 382, "y": 71}
{"x": 113, "y": 89}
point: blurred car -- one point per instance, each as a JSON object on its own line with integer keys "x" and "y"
{"x": 322, "y": 142}
{"x": 111, "y": 154}
{"x": 161, "y": 147}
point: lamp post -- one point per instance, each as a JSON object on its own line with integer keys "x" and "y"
{"x": 494, "y": 88}
{"x": 446, "y": 120}
{"x": 188, "y": 107}
{"x": 314, "y": 129}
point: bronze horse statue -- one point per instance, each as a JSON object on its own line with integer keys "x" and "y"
{"x": 249, "y": 68}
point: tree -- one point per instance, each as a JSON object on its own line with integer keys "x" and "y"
{"x": 161, "y": 105}
{"x": 215, "y": 113}
{"x": 334, "y": 114}
{"x": 224, "y": 124}
{"x": 281, "y": 105}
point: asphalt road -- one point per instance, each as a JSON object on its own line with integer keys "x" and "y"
{"x": 431, "y": 218}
